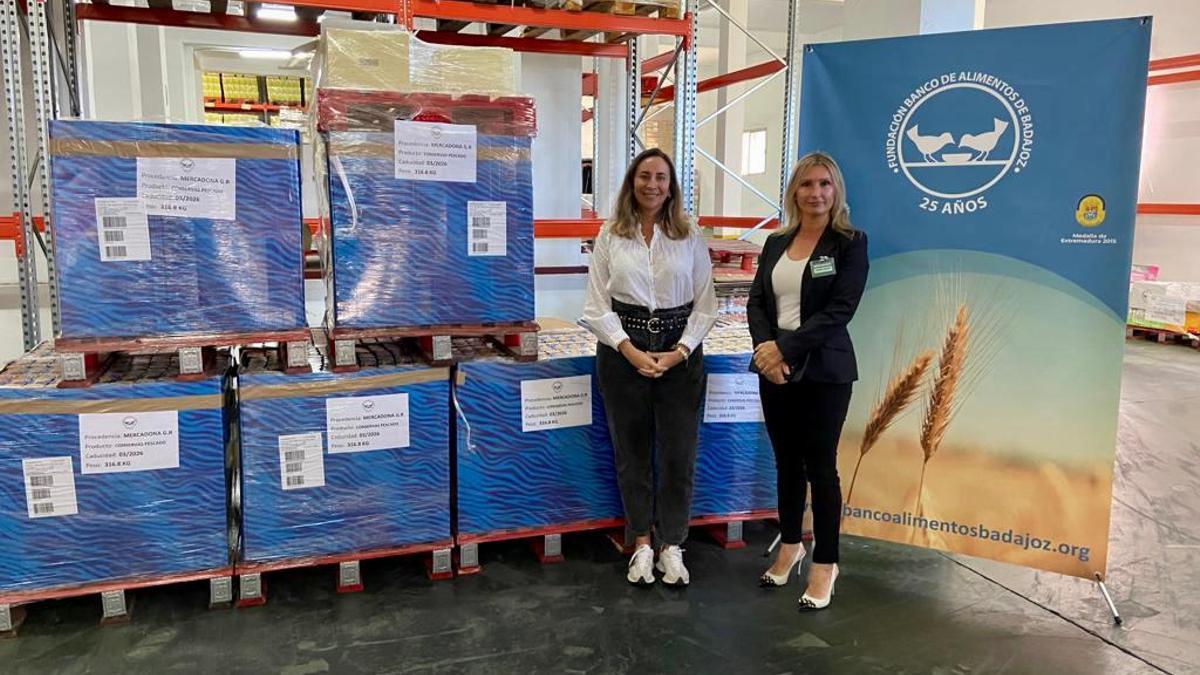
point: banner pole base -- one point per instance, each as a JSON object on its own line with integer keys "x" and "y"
{"x": 1112, "y": 608}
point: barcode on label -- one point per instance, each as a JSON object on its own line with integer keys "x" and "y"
{"x": 293, "y": 467}
{"x": 481, "y": 221}
{"x": 116, "y": 251}
{"x": 479, "y": 247}
{"x": 293, "y": 456}
{"x": 41, "y": 480}
{"x": 40, "y": 493}
{"x": 293, "y": 481}
{"x": 113, "y": 221}
{"x": 42, "y": 508}
{"x": 113, "y": 236}
{"x": 479, "y": 234}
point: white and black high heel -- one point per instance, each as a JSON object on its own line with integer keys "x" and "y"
{"x": 768, "y": 580}
{"x": 810, "y": 604}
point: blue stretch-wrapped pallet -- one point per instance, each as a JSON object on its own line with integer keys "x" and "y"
{"x": 735, "y": 466}
{"x": 170, "y": 229}
{"x": 120, "y": 482}
{"x": 408, "y": 252}
{"x": 339, "y": 463}
{"x": 510, "y": 478}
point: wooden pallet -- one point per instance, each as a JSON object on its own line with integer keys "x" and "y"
{"x": 83, "y": 360}
{"x": 622, "y": 8}
{"x": 1163, "y": 336}
{"x": 516, "y": 339}
{"x": 115, "y": 607}
{"x": 252, "y": 587}
{"x": 545, "y": 541}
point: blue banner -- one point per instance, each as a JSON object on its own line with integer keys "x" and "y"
{"x": 996, "y": 173}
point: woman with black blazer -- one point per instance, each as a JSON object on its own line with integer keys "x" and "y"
{"x": 810, "y": 278}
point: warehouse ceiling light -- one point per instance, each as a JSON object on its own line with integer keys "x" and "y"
{"x": 276, "y": 13}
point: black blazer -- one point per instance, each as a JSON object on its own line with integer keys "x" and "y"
{"x": 821, "y": 346}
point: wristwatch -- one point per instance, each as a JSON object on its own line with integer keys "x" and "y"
{"x": 683, "y": 349}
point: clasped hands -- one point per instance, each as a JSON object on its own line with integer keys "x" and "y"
{"x": 769, "y": 362}
{"x": 650, "y": 364}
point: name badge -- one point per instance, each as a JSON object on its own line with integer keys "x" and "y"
{"x": 822, "y": 267}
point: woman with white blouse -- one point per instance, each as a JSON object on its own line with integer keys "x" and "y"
{"x": 650, "y": 302}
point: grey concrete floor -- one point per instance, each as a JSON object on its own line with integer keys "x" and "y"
{"x": 897, "y": 609}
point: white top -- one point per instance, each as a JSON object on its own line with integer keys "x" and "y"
{"x": 787, "y": 279}
{"x": 666, "y": 274}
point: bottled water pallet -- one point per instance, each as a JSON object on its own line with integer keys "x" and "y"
{"x": 115, "y": 606}
{"x": 518, "y": 340}
{"x": 252, "y": 587}
{"x": 545, "y": 541}
{"x": 84, "y": 359}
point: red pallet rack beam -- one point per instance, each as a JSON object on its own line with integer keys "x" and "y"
{"x": 656, "y": 62}
{"x": 586, "y": 228}
{"x": 244, "y": 107}
{"x": 457, "y": 10}
{"x": 744, "y": 75}
{"x": 1173, "y": 62}
{"x": 565, "y": 47}
{"x": 170, "y": 17}
{"x": 369, "y": 6}
{"x": 1153, "y": 209}
{"x": 1174, "y": 78}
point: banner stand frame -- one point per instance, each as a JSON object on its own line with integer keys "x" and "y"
{"x": 1112, "y": 607}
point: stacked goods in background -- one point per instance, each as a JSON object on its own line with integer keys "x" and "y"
{"x": 1172, "y": 306}
{"x": 343, "y": 463}
{"x": 426, "y": 154}
{"x": 172, "y": 229}
{"x": 123, "y": 482}
{"x": 735, "y": 466}
{"x": 533, "y": 445}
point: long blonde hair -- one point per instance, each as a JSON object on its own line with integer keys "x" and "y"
{"x": 839, "y": 213}
{"x": 624, "y": 220}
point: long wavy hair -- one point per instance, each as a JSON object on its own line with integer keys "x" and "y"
{"x": 624, "y": 220}
{"x": 839, "y": 212}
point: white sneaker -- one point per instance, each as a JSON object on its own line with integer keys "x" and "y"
{"x": 670, "y": 563}
{"x": 641, "y": 567}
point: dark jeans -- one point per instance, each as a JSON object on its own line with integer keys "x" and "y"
{"x": 645, "y": 415}
{"x": 804, "y": 420}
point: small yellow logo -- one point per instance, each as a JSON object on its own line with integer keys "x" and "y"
{"x": 1090, "y": 211}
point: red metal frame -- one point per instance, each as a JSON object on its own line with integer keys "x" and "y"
{"x": 526, "y": 533}
{"x": 587, "y": 228}
{"x": 1173, "y": 62}
{"x": 457, "y": 10}
{"x": 744, "y": 75}
{"x": 1174, "y": 78}
{"x": 316, "y": 561}
{"x": 170, "y": 17}
{"x": 1169, "y": 209}
{"x": 565, "y": 47}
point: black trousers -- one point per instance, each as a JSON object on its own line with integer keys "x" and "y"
{"x": 804, "y": 420}
{"x": 654, "y": 424}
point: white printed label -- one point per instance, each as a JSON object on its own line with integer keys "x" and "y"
{"x": 556, "y": 403}
{"x": 188, "y": 188}
{"x": 732, "y": 398}
{"x": 122, "y": 229}
{"x": 487, "y": 228}
{"x": 436, "y": 152}
{"x": 121, "y": 442}
{"x": 50, "y": 487}
{"x": 1166, "y": 309}
{"x": 362, "y": 423}
{"x": 301, "y": 461}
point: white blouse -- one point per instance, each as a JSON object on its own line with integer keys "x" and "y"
{"x": 666, "y": 274}
{"x": 787, "y": 279}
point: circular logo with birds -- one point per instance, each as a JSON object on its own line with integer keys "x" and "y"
{"x": 956, "y": 136}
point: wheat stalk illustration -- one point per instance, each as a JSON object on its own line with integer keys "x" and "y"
{"x": 900, "y": 392}
{"x": 941, "y": 404}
